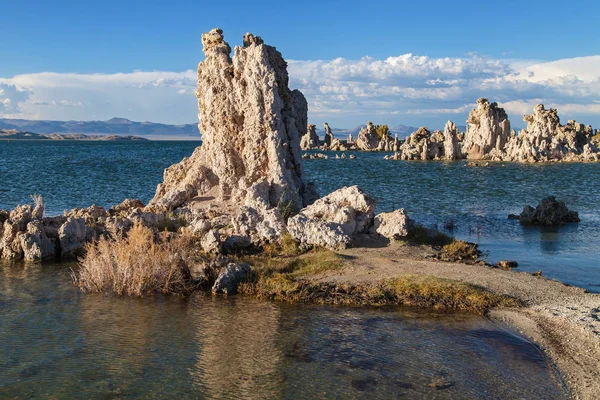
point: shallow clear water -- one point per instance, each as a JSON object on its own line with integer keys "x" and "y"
{"x": 77, "y": 174}
{"x": 58, "y": 343}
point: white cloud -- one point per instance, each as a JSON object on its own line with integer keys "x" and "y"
{"x": 408, "y": 89}
{"x": 155, "y": 96}
{"x": 11, "y": 98}
{"x": 420, "y": 90}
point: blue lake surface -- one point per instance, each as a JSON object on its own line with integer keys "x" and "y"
{"x": 477, "y": 199}
{"x": 57, "y": 343}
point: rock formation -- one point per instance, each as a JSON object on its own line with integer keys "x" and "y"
{"x": 549, "y": 212}
{"x": 328, "y": 136}
{"x": 424, "y": 145}
{"x": 367, "y": 139}
{"x": 334, "y": 220}
{"x": 251, "y": 125}
{"x": 488, "y": 130}
{"x": 393, "y": 225}
{"x": 451, "y": 147}
{"x": 310, "y": 140}
{"x": 490, "y": 138}
{"x": 545, "y": 139}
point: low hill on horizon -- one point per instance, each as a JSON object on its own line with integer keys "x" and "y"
{"x": 114, "y": 126}
{"x": 126, "y": 127}
{"x": 12, "y": 134}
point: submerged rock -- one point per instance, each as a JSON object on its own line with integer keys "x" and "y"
{"x": 549, "y": 212}
{"x": 251, "y": 124}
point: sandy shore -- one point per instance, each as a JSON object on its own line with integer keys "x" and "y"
{"x": 563, "y": 320}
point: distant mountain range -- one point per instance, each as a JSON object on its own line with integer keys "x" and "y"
{"x": 151, "y": 130}
{"x": 114, "y": 126}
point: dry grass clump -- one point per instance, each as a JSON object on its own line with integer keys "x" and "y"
{"x": 459, "y": 250}
{"x": 136, "y": 265}
{"x": 287, "y": 247}
{"x": 277, "y": 279}
{"x": 444, "y": 294}
{"x": 291, "y": 282}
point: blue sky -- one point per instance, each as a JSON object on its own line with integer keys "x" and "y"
{"x": 72, "y": 40}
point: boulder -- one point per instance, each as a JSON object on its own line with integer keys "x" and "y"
{"x": 211, "y": 242}
{"x": 334, "y": 220}
{"x": 251, "y": 124}
{"x": 549, "y": 212}
{"x": 92, "y": 213}
{"x": 126, "y": 206}
{"x": 315, "y": 232}
{"x": 230, "y": 277}
{"x": 392, "y": 225}
{"x": 73, "y": 236}
{"x": 261, "y": 226}
{"x": 35, "y": 244}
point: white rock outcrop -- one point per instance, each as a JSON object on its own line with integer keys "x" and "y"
{"x": 251, "y": 125}
{"x": 488, "y": 130}
{"x": 545, "y": 139}
{"x": 392, "y": 225}
{"x": 261, "y": 226}
{"x": 329, "y": 139}
{"x": 310, "y": 140}
{"x": 72, "y": 236}
{"x": 334, "y": 220}
{"x": 451, "y": 147}
{"x": 367, "y": 139}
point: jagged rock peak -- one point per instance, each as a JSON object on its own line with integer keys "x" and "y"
{"x": 250, "y": 39}
{"x": 488, "y": 130}
{"x": 329, "y": 138}
{"x": 214, "y": 42}
{"x": 310, "y": 140}
{"x": 251, "y": 124}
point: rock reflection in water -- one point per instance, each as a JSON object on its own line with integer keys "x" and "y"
{"x": 58, "y": 343}
{"x": 238, "y": 356}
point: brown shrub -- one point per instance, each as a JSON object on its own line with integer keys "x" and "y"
{"x": 460, "y": 250}
{"x": 136, "y": 265}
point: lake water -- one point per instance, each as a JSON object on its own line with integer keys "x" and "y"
{"x": 478, "y": 200}
{"x": 56, "y": 343}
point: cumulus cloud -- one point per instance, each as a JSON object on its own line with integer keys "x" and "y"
{"x": 422, "y": 90}
{"x": 11, "y": 97}
{"x": 140, "y": 95}
{"x": 408, "y": 89}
